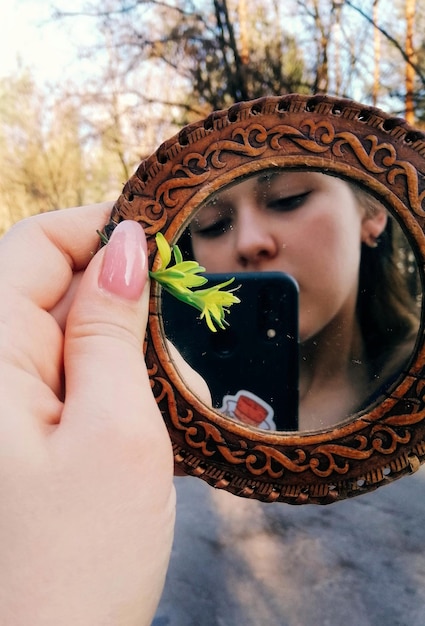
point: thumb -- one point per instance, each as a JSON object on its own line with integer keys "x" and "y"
{"x": 114, "y": 450}
{"x": 106, "y": 379}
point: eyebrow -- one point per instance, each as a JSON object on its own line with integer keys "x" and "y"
{"x": 263, "y": 179}
{"x": 217, "y": 202}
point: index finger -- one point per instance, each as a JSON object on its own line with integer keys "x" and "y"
{"x": 39, "y": 254}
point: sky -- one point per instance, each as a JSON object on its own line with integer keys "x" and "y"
{"x": 29, "y": 37}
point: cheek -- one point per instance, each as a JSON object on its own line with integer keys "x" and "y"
{"x": 213, "y": 254}
{"x": 327, "y": 270}
{"x": 312, "y": 252}
{"x": 199, "y": 250}
{"x": 330, "y": 242}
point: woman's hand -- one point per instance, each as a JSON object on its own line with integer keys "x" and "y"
{"x": 86, "y": 495}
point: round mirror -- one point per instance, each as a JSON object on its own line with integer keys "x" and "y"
{"x": 360, "y": 416}
{"x": 309, "y": 352}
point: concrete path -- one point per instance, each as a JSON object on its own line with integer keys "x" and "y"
{"x": 359, "y": 562}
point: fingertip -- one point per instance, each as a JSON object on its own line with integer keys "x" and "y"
{"x": 124, "y": 268}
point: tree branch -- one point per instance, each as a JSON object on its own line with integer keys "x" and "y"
{"x": 391, "y": 39}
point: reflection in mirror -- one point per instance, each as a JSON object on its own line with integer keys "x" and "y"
{"x": 358, "y": 313}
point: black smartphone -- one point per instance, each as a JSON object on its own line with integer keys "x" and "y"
{"x": 251, "y": 367}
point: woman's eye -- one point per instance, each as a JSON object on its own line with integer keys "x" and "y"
{"x": 289, "y": 203}
{"x": 215, "y": 229}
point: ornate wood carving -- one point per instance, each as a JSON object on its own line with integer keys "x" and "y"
{"x": 360, "y": 143}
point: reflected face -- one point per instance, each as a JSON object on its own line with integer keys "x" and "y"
{"x": 306, "y": 224}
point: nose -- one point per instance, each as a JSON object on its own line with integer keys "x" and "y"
{"x": 255, "y": 241}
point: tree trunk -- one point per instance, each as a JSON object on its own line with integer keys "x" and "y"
{"x": 376, "y": 55}
{"x": 410, "y": 72}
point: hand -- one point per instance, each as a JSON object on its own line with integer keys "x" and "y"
{"x": 86, "y": 495}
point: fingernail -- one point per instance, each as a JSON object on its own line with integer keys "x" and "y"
{"x": 123, "y": 271}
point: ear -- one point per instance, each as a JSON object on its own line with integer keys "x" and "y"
{"x": 373, "y": 226}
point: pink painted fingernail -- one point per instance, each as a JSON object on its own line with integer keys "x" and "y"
{"x": 124, "y": 266}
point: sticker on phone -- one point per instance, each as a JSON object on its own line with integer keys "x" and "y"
{"x": 248, "y": 408}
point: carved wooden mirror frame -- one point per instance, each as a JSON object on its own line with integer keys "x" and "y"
{"x": 341, "y": 137}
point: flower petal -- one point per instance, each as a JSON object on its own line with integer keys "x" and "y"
{"x": 163, "y": 249}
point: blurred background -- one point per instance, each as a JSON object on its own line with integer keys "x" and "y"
{"x": 88, "y": 88}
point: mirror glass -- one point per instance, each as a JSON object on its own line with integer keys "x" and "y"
{"x": 329, "y": 292}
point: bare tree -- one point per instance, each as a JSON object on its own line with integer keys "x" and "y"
{"x": 211, "y": 57}
{"x": 410, "y": 62}
{"x": 398, "y": 36}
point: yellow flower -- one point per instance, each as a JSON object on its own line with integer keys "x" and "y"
{"x": 214, "y": 303}
{"x": 178, "y": 279}
{"x": 181, "y": 275}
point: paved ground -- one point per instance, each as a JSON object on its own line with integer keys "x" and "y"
{"x": 359, "y": 562}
